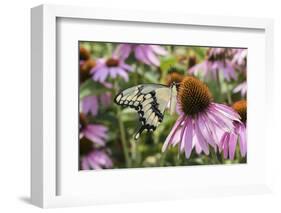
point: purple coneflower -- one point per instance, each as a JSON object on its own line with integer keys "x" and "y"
{"x": 92, "y": 158}
{"x": 146, "y": 53}
{"x": 218, "y": 61}
{"x": 112, "y": 67}
{"x": 229, "y": 140}
{"x": 96, "y": 133}
{"x": 200, "y": 119}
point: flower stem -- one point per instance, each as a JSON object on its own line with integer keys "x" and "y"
{"x": 122, "y": 130}
{"x": 214, "y": 157}
{"x": 123, "y": 138}
{"x": 218, "y": 81}
{"x": 229, "y": 99}
{"x": 163, "y": 158}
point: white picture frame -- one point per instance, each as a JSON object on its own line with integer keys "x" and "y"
{"x": 45, "y": 157}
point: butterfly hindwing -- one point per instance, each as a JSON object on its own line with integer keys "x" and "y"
{"x": 149, "y": 100}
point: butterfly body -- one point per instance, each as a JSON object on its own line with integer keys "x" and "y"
{"x": 150, "y": 101}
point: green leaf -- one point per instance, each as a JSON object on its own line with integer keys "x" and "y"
{"x": 200, "y": 52}
{"x": 167, "y": 62}
{"x": 90, "y": 87}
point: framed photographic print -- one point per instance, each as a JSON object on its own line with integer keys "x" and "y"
{"x": 138, "y": 105}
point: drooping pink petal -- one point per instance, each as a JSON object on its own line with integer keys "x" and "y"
{"x": 171, "y": 135}
{"x": 220, "y": 121}
{"x": 101, "y": 74}
{"x": 177, "y": 138}
{"x": 99, "y": 130}
{"x": 140, "y": 54}
{"x": 231, "y": 71}
{"x": 152, "y": 58}
{"x": 158, "y": 50}
{"x": 104, "y": 75}
{"x": 113, "y": 71}
{"x": 90, "y": 104}
{"x": 198, "y": 67}
{"x": 242, "y": 140}
{"x": 222, "y": 141}
{"x": 213, "y": 130}
{"x": 226, "y": 145}
{"x": 232, "y": 145}
{"x": 123, "y": 74}
{"x": 98, "y": 127}
{"x": 198, "y": 148}
{"x": 93, "y": 163}
{"x": 205, "y": 130}
{"x": 226, "y": 112}
{"x": 188, "y": 135}
{"x": 126, "y": 66}
{"x": 92, "y": 136}
{"x": 200, "y": 138}
{"x": 84, "y": 163}
{"x": 123, "y": 51}
{"x": 182, "y": 132}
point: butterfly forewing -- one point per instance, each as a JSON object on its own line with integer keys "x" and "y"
{"x": 149, "y": 100}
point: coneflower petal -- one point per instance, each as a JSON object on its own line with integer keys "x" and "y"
{"x": 220, "y": 120}
{"x": 225, "y": 145}
{"x": 213, "y": 129}
{"x": 242, "y": 140}
{"x": 188, "y": 134}
{"x": 206, "y": 132}
{"x": 232, "y": 145}
{"x": 139, "y": 53}
{"x": 93, "y": 162}
{"x": 84, "y": 163}
{"x": 198, "y": 148}
{"x": 173, "y": 132}
{"x": 201, "y": 139}
{"x": 152, "y": 58}
{"x": 228, "y": 110}
{"x": 231, "y": 114}
{"x": 182, "y": 139}
{"x": 93, "y": 137}
{"x": 222, "y": 141}
{"x": 103, "y": 74}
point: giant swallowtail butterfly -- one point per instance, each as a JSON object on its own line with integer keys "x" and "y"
{"x": 150, "y": 101}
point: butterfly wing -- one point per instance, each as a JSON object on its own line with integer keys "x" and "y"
{"x": 149, "y": 100}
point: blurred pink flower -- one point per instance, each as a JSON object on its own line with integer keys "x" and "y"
{"x": 148, "y": 54}
{"x": 91, "y": 104}
{"x": 229, "y": 140}
{"x": 239, "y": 57}
{"x": 242, "y": 88}
{"x": 239, "y": 61}
{"x": 96, "y": 159}
{"x": 96, "y": 133}
{"x": 201, "y": 121}
{"x": 111, "y": 67}
{"x": 217, "y": 62}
